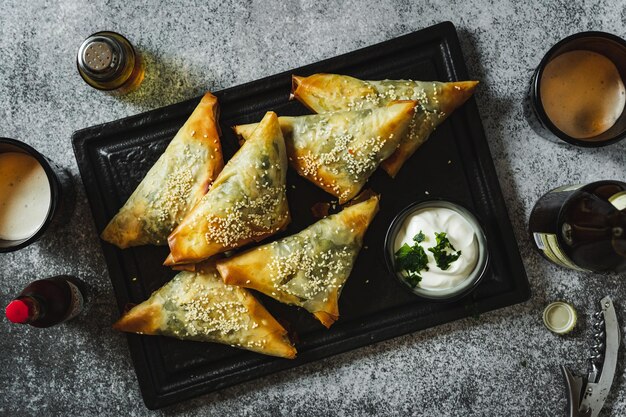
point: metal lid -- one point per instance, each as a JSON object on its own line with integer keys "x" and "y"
{"x": 560, "y": 317}
{"x": 101, "y": 57}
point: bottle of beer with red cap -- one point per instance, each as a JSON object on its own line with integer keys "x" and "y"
{"x": 48, "y": 302}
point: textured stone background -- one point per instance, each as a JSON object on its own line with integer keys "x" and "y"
{"x": 505, "y": 363}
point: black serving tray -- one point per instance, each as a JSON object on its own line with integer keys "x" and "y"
{"x": 454, "y": 164}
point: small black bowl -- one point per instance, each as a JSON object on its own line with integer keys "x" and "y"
{"x": 61, "y": 193}
{"x": 454, "y": 293}
{"x": 611, "y": 46}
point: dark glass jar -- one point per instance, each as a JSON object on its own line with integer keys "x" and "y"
{"x": 606, "y": 44}
{"x": 62, "y": 194}
{"x": 582, "y": 227}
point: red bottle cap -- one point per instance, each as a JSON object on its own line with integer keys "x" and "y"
{"x": 18, "y": 311}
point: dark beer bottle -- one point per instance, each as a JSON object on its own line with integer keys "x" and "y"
{"x": 582, "y": 227}
{"x": 47, "y": 302}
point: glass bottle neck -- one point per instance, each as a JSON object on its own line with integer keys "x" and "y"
{"x": 34, "y": 308}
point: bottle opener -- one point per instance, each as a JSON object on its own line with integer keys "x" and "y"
{"x": 586, "y": 396}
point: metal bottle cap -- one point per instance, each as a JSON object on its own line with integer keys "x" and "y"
{"x": 101, "y": 57}
{"x": 560, "y": 317}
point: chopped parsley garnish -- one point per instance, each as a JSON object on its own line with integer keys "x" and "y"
{"x": 412, "y": 260}
{"x": 444, "y": 252}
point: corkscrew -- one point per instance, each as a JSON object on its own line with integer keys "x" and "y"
{"x": 586, "y": 396}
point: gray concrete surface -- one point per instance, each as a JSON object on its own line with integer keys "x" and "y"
{"x": 505, "y": 363}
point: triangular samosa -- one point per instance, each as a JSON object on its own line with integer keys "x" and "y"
{"x": 331, "y": 92}
{"x": 307, "y": 269}
{"x": 246, "y": 203}
{"x": 339, "y": 151}
{"x": 174, "y": 184}
{"x": 199, "y": 306}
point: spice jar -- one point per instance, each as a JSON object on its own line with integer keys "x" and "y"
{"x": 107, "y": 61}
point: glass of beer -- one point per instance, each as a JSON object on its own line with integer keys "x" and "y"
{"x": 35, "y": 194}
{"x": 577, "y": 92}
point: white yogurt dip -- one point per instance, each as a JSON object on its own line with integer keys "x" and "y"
{"x": 459, "y": 232}
{"x": 24, "y": 196}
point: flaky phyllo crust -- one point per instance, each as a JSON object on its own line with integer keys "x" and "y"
{"x": 436, "y": 100}
{"x": 199, "y": 306}
{"x": 246, "y": 203}
{"x": 174, "y": 184}
{"x": 339, "y": 151}
{"x": 307, "y": 269}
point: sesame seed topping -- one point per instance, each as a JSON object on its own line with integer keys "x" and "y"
{"x": 345, "y": 156}
{"x": 383, "y": 92}
{"x": 308, "y": 266}
{"x": 200, "y": 306}
{"x": 169, "y": 189}
{"x": 253, "y": 214}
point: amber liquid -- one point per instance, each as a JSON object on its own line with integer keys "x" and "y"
{"x": 582, "y": 93}
{"x": 589, "y": 224}
{"x": 135, "y": 78}
{"x": 132, "y": 74}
